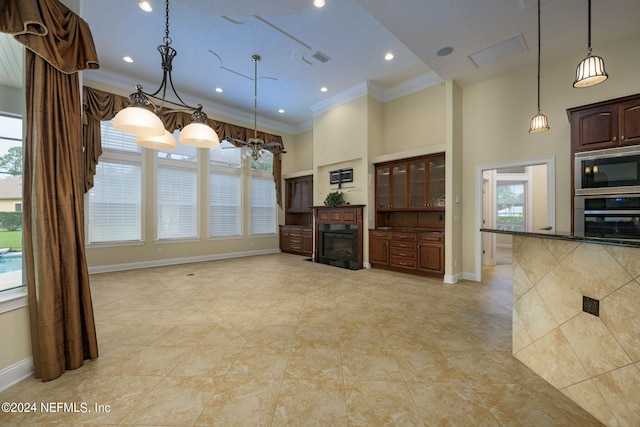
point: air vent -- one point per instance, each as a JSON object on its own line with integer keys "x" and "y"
{"x": 321, "y": 57}
{"x": 499, "y": 51}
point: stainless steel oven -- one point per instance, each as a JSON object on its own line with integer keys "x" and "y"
{"x": 608, "y": 216}
{"x": 611, "y": 171}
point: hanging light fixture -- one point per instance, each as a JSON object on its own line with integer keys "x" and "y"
{"x": 148, "y": 126}
{"x": 591, "y": 70}
{"x": 255, "y": 144}
{"x": 539, "y": 122}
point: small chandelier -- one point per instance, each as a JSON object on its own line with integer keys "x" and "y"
{"x": 148, "y": 126}
{"x": 255, "y": 144}
{"x": 591, "y": 70}
{"x": 539, "y": 122}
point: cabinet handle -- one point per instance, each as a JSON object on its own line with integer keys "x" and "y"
{"x": 615, "y": 138}
{"x": 622, "y": 138}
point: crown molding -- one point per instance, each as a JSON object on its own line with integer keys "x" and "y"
{"x": 225, "y": 112}
{"x": 412, "y": 85}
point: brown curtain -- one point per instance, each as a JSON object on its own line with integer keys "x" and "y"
{"x": 100, "y": 105}
{"x": 58, "y": 45}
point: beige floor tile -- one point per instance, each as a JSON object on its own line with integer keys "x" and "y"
{"x": 260, "y": 362}
{"x": 380, "y": 403}
{"x": 312, "y": 403}
{"x": 272, "y": 336}
{"x": 370, "y": 364}
{"x": 242, "y": 402}
{"x": 322, "y": 363}
{"x": 206, "y": 362}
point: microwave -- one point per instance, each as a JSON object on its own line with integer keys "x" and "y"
{"x": 610, "y": 171}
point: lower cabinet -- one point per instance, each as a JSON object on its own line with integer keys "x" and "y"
{"x": 296, "y": 239}
{"x": 415, "y": 252}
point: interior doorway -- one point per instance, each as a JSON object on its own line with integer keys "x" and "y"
{"x": 513, "y": 196}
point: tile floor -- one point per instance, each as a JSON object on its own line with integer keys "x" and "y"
{"x": 275, "y": 340}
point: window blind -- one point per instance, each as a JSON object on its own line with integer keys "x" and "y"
{"x": 225, "y": 213}
{"x": 177, "y": 203}
{"x": 263, "y": 205}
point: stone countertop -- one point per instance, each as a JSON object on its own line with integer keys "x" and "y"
{"x": 407, "y": 230}
{"x": 552, "y": 234}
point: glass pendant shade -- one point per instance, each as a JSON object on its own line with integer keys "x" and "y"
{"x": 590, "y": 72}
{"x": 199, "y": 135}
{"x": 539, "y": 123}
{"x": 165, "y": 142}
{"x": 138, "y": 121}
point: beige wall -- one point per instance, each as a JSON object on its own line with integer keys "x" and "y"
{"x": 14, "y": 330}
{"x": 9, "y": 205}
{"x": 496, "y": 117}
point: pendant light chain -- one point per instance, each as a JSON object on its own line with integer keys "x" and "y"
{"x": 589, "y": 31}
{"x": 539, "y": 38}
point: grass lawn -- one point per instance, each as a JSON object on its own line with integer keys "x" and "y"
{"x": 11, "y": 239}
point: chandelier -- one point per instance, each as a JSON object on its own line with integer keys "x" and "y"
{"x": 147, "y": 126}
{"x": 256, "y": 145}
{"x": 539, "y": 122}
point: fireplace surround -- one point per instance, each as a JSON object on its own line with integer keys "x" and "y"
{"x": 338, "y": 236}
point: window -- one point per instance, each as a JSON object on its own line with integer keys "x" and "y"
{"x": 114, "y": 204}
{"x": 10, "y": 202}
{"x": 263, "y": 195}
{"x": 225, "y": 191}
{"x": 177, "y": 193}
{"x": 511, "y": 206}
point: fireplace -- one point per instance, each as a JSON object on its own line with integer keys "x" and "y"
{"x": 338, "y": 245}
{"x": 338, "y": 235}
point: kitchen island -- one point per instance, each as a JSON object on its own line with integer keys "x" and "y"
{"x": 576, "y": 318}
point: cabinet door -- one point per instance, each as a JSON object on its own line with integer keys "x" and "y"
{"x": 379, "y": 251}
{"x": 307, "y": 242}
{"x": 284, "y": 239}
{"x": 630, "y": 123}
{"x": 430, "y": 258}
{"x": 418, "y": 184}
{"x": 595, "y": 129}
{"x": 383, "y": 187}
{"x": 436, "y": 182}
{"x": 306, "y": 194}
{"x": 399, "y": 187}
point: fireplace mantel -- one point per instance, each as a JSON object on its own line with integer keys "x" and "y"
{"x": 351, "y": 218}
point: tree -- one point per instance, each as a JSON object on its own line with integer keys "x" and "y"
{"x": 11, "y": 163}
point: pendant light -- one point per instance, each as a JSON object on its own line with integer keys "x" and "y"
{"x": 591, "y": 70}
{"x": 148, "y": 126}
{"x": 539, "y": 122}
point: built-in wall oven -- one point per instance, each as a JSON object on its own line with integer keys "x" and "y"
{"x": 615, "y": 216}
{"x": 607, "y": 193}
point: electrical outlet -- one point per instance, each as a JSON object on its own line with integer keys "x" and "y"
{"x": 591, "y": 306}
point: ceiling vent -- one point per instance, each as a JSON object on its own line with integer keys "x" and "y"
{"x": 321, "y": 56}
{"x": 499, "y": 51}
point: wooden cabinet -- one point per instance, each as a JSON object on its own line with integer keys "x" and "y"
{"x": 607, "y": 124}
{"x": 296, "y": 239}
{"x": 296, "y": 236}
{"x": 379, "y": 247}
{"x": 431, "y": 253}
{"x": 409, "y": 251}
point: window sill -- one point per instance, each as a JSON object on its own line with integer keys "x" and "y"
{"x": 13, "y": 299}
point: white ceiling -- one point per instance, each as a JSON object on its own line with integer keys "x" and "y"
{"x": 215, "y": 40}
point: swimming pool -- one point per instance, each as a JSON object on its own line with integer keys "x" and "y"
{"x": 11, "y": 261}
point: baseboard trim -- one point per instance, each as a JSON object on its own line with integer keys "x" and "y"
{"x": 175, "y": 261}
{"x": 15, "y": 373}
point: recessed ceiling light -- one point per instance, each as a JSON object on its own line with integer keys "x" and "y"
{"x": 388, "y": 56}
{"x": 145, "y": 5}
{"x": 445, "y": 51}
{"x": 318, "y": 3}
{"x": 127, "y": 59}
{"x": 219, "y": 89}
{"x": 281, "y": 111}
{"x": 323, "y": 89}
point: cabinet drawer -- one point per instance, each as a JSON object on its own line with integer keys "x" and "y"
{"x": 295, "y": 244}
{"x": 308, "y": 234}
{"x": 403, "y": 244}
{"x": 410, "y": 237}
{"x": 403, "y": 263}
{"x": 374, "y": 234}
{"x": 403, "y": 253}
{"x": 431, "y": 237}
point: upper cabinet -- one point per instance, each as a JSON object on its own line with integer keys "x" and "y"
{"x": 415, "y": 184}
{"x": 607, "y": 124}
{"x": 298, "y": 200}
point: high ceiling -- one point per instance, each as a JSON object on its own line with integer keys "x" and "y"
{"x": 215, "y": 40}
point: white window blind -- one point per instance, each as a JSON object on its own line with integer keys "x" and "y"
{"x": 177, "y": 204}
{"x": 263, "y": 205}
{"x": 115, "y": 203}
{"x": 225, "y": 212}
{"x": 226, "y": 155}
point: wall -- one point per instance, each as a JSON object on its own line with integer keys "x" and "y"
{"x": 594, "y": 360}
{"x": 496, "y": 116}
